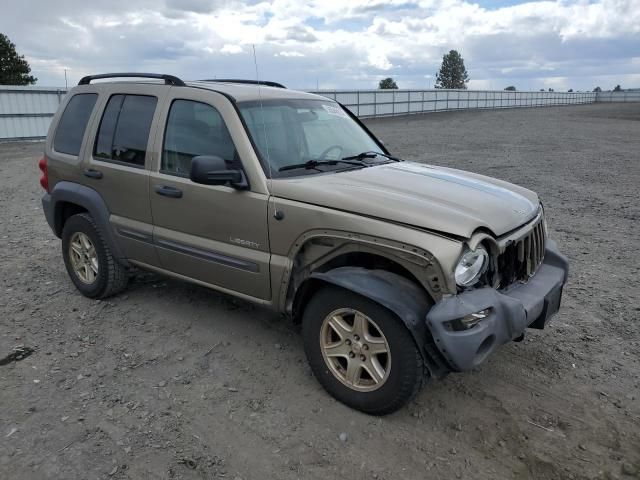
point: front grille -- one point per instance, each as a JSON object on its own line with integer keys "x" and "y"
{"x": 521, "y": 259}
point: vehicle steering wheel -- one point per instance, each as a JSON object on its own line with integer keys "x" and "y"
{"x": 323, "y": 155}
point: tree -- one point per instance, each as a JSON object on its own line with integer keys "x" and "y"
{"x": 452, "y": 73}
{"x": 597, "y": 89}
{"x": 570, "y": 90}
{"x": 14, "y": 69}
{"x": 388, "y": 84}
{"x": 551, "y": 89}
{"x": 617, "y": 89}
{"x": 511, "y": 88}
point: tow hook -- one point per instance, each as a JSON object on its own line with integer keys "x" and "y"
{"x": 519, "y": 339}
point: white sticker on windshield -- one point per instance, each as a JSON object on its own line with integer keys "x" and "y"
{"x": 335, "y": 110}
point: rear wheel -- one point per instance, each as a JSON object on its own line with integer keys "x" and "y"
{"x": 88, "y": 259}
{"x": 360, "y": 352}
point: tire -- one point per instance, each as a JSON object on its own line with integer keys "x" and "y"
{"x": 403, "y": 366}
{"x": 102, "y": 276}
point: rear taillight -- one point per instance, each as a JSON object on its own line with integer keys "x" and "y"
{"x": 44, "y": 179}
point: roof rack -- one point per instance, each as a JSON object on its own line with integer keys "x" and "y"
{"x": 266, "y": 83}
{"x": 168, "y": 79}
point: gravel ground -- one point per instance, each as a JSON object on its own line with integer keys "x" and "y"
{"x": 170, "y": 380}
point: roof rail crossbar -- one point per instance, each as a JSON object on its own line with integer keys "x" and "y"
{"x": 168, "y": 79}
{"x": 266, "y": 83}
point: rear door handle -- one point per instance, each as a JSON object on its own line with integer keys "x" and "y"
{"x": 168, "y": 191}
{"x": 91, "y": 173}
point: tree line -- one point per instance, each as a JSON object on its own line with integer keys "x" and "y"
{"x": 453, "y": 75}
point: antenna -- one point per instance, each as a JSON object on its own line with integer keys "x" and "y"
{"x": 276, "y": 214}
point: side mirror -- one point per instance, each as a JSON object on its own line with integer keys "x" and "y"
{"x": 213, "y": 170}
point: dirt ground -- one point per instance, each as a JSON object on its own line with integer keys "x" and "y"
{"x": 170, "y": 380}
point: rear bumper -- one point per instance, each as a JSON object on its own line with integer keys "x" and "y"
{"x": 512, "y": 311}
{"x": 47, "y": 208}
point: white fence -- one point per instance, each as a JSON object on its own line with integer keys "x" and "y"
{"x": 625, "y": 96}
{"x": 25, "y": 112}
{"x": 378, "y": 103}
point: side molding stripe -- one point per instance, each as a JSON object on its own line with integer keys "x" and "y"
{"x": 143, "y": 237}
{"x": 208, "y": 255}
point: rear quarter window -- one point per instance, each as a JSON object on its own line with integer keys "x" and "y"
{"x": 73, "y": 123}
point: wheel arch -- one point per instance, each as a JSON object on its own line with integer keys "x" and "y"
{"x": 324, "y": 250}
{"x": 63, "y": 211}
{"x": 313, "y": 279}
{"x": 402, "y": 278}
{"x": 403, "y": 297}
{"x": 68, "y": 198}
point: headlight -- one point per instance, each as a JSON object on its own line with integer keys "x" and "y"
{"x": 471, "y": 266}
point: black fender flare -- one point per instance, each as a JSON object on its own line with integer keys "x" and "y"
{"x": 90, "y": 200}
{"x": 406, "y": 299}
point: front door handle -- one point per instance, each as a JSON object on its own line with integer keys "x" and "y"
{"x": 168, "y": 191}
{"x": 91, "y": 173}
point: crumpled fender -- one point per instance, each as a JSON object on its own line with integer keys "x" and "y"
{"x": 403, "y": 297}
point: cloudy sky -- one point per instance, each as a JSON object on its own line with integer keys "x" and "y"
{"x": 334, "y": 43}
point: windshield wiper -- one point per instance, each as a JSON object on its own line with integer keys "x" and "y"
{"x": 363, "y": 155}
{"x": 308, "y": 165}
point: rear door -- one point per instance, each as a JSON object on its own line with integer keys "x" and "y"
{"x": 211, "y": 233}
{"x": 119, "y": 160}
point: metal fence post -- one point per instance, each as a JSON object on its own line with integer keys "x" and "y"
{"x": 393, "y": 103}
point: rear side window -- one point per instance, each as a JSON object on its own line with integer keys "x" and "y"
{"x": 124, "y": 129}
{"x": 193, "y": 129}
{"x": 73, "y": 123}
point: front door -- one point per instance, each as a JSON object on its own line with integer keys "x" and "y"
{"x": 211, "y": 233}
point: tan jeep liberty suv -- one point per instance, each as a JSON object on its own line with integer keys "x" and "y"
{"x": 398, "y": 271}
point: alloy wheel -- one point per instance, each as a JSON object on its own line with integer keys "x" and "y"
{"x": 84, "y": 258}
{"x": 355, "y": 350}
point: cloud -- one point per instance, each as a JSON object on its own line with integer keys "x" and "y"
{"x": 197, "y": 6}
{"x": 231, "y": 49}
{"x": 337, "y": 43}
{"x": 379, "y": 60}
{"x": 294, "y": 33}
{"x": 290, "y": 54}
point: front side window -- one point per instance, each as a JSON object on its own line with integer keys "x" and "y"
{"x": 288, "y": 132}
{"x": 193, "y": 129}
{"x": 124, "y": 129}
{"x": 73, "y": 123}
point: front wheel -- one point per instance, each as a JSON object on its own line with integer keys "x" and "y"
{"x": 360, "y": 352}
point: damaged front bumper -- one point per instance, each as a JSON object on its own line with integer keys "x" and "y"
{"x": 506, "y": 313}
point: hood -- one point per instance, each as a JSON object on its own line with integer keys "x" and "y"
{"x": 435, "y": 198}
